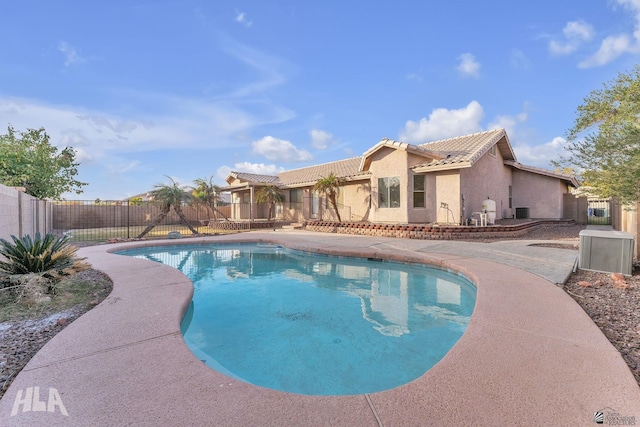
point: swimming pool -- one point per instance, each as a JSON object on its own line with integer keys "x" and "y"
{"x": 314, "y": 324}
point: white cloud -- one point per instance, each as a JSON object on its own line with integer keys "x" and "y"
{"x": 540, "y": 155}
{"x": 443, "y": 123}
{"x": 518, "y": 59}
{"x": 578, "y": 30}
{"x": 175, "y": 123}
{"x": 70, "y": 54}
{"x": 321, "y": 139}
{"x": 468, "y": 66}
{"x": 222, "y": 172}
{"x": 610, "y": 48}
{"x": 575, "y": 33}
{"x": 241, "y": 18}
{"x": 509, "y": 123}
{"x": 120, "y": 168}
{"x": 258, "y": 168}
{"x": 82, "y": 155}
{"x": 560, "y": 48}
{"x": 271, "y": 70}
{"x": 280, "y": 150}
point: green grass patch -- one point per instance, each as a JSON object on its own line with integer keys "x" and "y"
{"x": 103, "y": 234}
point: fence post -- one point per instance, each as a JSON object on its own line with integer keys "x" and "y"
{"x": 128, "y": 226}
{"x": 20, "y": 214}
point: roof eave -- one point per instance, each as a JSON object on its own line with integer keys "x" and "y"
{"x": 444, "y": 167}
{"x": 232, "y": 188}
{"x": 355, "y": 178}
{"x": 567, "y": 178}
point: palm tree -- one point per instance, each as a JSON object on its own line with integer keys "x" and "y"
{"x": 208, "y": 193}
{"x": 330, "y": 186}
{"x": 269, "y": 194}
{"x": 169, "y": 195}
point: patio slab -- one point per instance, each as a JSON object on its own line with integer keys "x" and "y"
{"x": 530, "y": 355}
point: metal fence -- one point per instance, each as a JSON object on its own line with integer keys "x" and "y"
{"x": 94, "y": 221}
{"x": 599, "y": 212}
{"x": 85, "y": 220}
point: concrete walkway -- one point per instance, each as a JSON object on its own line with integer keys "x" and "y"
{"x": 530, "y": 355}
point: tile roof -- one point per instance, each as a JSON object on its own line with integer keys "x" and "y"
{"x": 466, "y": 149}
{"x": 252, "y": 177}
{"x": 348, "y": 168}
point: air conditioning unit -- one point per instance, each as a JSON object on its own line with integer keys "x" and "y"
{"x": 522, "y": 212}
{"x": 606, "y": 251}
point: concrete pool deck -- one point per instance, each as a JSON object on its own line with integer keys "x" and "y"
{"x": 530, "y": 355}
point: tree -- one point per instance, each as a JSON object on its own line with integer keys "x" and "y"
{"x": 330, "y": 186}
{"x": 269, "y": 194}
{"x": 604, "y": 142}
{"x": 169, "y": 195}
{"x": 27, "y": 159}
{"x": 135, "y": 201}
{"x": 208, "y": 193}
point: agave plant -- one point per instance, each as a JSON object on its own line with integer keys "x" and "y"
{"x": 49, "y": 256}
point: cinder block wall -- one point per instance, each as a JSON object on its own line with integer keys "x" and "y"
{"x": 22, "y": 214}
{"x": 9, "y": 212}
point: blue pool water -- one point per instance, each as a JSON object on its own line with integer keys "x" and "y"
{"x": 314, "y": 324}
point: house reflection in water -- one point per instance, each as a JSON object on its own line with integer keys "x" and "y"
{"x": 395, "y": 298}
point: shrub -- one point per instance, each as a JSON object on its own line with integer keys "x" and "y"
{"x": 50, "y": 257}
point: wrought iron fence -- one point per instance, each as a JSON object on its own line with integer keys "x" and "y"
{"x": 95, "y": 221}
{"x": 85, "y": 220}
{"x": 599, "y": 211}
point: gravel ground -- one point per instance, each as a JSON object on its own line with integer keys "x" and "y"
{"x": 612, "y": 304}
{"x": 20, "y": 340}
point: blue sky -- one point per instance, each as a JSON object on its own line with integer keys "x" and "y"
{"x": 191, "y": 89}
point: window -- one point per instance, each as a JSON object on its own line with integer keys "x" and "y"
{"x": 510, "y": 197}
{"x": 418, "y": 191}
{"x": 295, "y": 196}
{"x": 389, "y": 192}
{"x": 492, "y": 150}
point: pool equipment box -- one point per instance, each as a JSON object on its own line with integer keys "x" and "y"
{"x": 606, "y": 251}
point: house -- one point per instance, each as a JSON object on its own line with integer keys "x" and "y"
{"x": 444, "y": 181}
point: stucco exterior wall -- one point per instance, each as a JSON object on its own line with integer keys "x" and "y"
{"x": 388, "y": 162}
{"x": 428, "y": 213}
{"x": 488, "y": 178}
{"x": 356, "y": 196}
{"x": 543, "y": 195}
{"x": 447, "y": 190}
